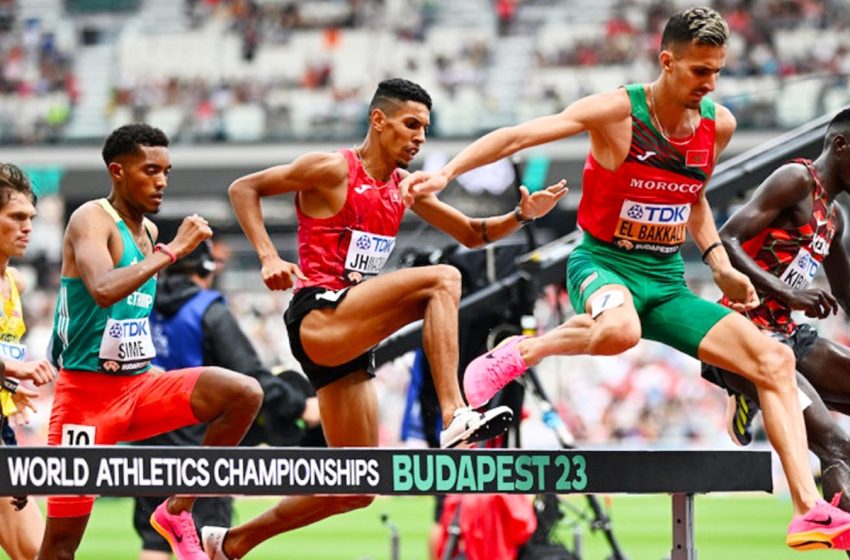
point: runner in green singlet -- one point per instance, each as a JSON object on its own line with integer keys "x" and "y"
{"x": 652, "y": 149}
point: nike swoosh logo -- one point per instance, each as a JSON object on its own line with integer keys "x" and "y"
{"x": 827, "y": 521}
{"x": 647, "y": 155}
{"x": 362, "y": 188}
{"x": 177, "y": 536}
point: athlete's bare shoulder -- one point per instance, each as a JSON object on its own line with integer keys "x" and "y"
{"x": 89, "y": 218}
{"x": 724, "y": 126}
{"x": 602, "y": 109}
{"x": 18, "y": 279}
{"x": 314, "y": 170}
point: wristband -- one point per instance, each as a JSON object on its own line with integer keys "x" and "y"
{"x": 163, "y": 248}
{"x": 520, "y": 218}
{"x": 709, "y": 249}
{"x": 484, "y": 235}
{"x": 10, "y": 384}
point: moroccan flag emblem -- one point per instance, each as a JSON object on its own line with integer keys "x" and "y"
{"x": 696, "y": 158}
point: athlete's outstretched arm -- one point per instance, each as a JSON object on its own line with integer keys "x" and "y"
{"x": 474, "y": 232}
{"x": 314, "y": 171}
{"x": 583, "y": 115}
{"x": 836, "y": 265}
{"x": 781, "y": 192}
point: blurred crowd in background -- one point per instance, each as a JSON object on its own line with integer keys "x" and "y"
{"x": 275, "y": 70}
{"x": 254, "y": 70}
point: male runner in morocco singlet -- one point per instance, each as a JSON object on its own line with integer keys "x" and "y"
{"x": 779, "y": 239}
{"x": 107, "y": 391}
{"x": 652, "y": 149}
{"x": 349, "y": 211}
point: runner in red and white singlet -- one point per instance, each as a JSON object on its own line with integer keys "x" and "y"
{"x": 349, "y": 212}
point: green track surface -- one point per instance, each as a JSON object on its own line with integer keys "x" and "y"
{"x": 728, "y": 527}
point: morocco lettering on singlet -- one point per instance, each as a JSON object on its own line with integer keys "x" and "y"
{"x": 653, "y": 227}
{"x": 664, "y": 186}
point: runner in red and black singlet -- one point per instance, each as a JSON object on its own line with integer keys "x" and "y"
{"x": 779, "y": 239}
{"x": 626, "y": 280}
{"x": 349, "y": 211}
{"x": 793, "y": 253}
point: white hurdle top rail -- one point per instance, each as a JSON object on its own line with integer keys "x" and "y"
{"x": 271, "y": 471}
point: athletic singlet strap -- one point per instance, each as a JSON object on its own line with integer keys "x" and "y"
{"x": 106, "y": 205}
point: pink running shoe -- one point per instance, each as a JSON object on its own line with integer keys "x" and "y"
{"x": 179, "y": 531}
{"x": 487, "y": 374}
{"x": 823, "y": 526}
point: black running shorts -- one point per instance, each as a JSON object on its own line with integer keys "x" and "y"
{"x": 303, "y": 302}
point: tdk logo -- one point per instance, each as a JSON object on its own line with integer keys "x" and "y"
{"x": 667, "y": 186}
{"x": 666, "y": 214}
{"x": 127, "y": 329}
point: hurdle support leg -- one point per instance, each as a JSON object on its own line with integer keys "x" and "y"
{"x": 683, "y": 528}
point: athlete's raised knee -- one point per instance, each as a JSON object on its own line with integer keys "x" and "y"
{"x": 775, "y": 366}
{"x": 447, "y": 279}
{"x": 242, "y": 392}
{"x": 614, "y": 338}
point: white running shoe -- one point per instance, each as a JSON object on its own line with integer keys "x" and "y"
{"x": 469, "y": 426}
{"x": 212, "y": 539}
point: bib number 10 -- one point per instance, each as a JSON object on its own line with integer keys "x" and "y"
{"x": 77, "y": 435}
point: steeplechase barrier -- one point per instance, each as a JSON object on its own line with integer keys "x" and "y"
{"x": 269, "y": 471}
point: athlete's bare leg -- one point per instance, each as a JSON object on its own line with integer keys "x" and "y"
{"x": 349, "y": 411}
{"x": 62, "y": 536}
{"x": 373, "y": 310}
{"x": 228, "y": 402}
{"x": 20, "y": 531}
{"x": 613, "y": 331}
{"x": 826, "y": 438}
{"x": 827, "y": 367}
{"x": 735, "y": 344}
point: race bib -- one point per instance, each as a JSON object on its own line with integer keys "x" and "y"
{"x": 12, "y": 351}
{"x": 367, "y": 255}
{"x": 801, "y": 271}
{"x": 658, "y": 228}
{"x": 126, "y": 346}
{"x": 77, "y": 435}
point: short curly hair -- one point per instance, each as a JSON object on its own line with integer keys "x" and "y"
{"x": 701, "y": 25}
{"x": 398, "y": 89}
{"x": 127, "y": 139}
{"x": 12, "y": 180}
